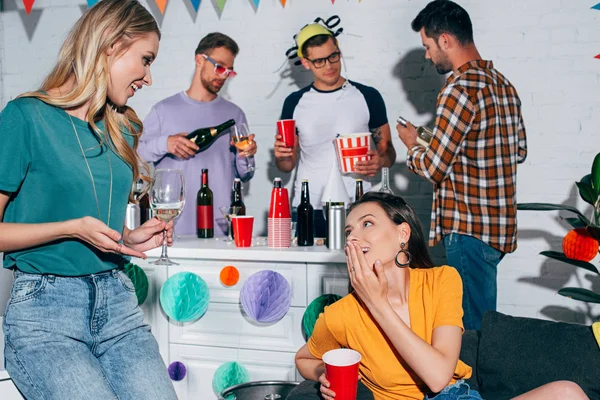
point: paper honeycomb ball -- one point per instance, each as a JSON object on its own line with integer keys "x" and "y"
{"x": 578, "y": 244}
{"x": 314, "y": 309}
{"x": 139, "y": 279}
{"x": 184, "y": 297}
{"x": 229, "y": 374}
{"x": 266, "y": 296}
{"x": 229, "y": 275}
{"x": 177, "y": 370}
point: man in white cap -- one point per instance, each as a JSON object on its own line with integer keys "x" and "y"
{"x": 329, "y": 106}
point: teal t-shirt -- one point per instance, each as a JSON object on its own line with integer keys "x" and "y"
{"x": 41, "y": 164}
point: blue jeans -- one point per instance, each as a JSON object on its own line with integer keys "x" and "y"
{"x": 476, "y": 262}
{"x": 81, "y": 338}
{"x": 458, "y": 391}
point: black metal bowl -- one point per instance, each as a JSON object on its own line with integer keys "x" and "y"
{"x": 260, "y": 390}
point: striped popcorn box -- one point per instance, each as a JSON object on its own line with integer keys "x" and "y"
{"x": 352, "y": 148}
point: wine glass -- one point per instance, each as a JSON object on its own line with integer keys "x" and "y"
{"x": 167, "y": 197}
{"x": 229, "y": 212}
{"x": 239, "y": 135}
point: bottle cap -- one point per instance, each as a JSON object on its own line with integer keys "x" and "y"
{"x": 359, "y": 180}
{"x": 304, "y": 180}
{"x": 205, "y": 170}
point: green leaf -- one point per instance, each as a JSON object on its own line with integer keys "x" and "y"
{"x": 580, "y": 294}
{"x": 561, "y": 257}
{"x": 575, "y": 222}
{"x": 594, "y": 230}
{"x": 587, "y": 192}
{"x": 552, "y": 207}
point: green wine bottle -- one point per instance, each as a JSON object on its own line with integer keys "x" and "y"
{"x": 204, "y": 206}
{"x": 204, "y": 137}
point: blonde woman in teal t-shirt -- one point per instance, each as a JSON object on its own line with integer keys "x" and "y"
{"x": 73, "y": 328}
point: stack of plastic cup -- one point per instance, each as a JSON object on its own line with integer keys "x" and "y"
{"x": 280, "y": 218}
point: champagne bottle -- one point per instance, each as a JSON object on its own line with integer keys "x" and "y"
{"x": 304, "y": 226}
{"x": 204, "y": 206}
{"x": 424, "y": 134}
{"x": 385, "y": 181}
{"x": 204, "y": 137}
{"x": 359, "y": 190}
{"x": 236, "y": 197}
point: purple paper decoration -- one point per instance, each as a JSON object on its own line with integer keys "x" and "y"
{"x": 266, "y": 296}
{"x": 177, "y": 371}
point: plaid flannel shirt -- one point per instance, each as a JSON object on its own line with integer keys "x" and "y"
{"x": 479, "y": 138}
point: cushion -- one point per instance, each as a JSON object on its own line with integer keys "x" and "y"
{"x": 468, "y": 354}
{"x": 518, "y": 354}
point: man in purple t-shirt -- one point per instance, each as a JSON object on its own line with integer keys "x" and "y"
{"x": 163, "y": 141}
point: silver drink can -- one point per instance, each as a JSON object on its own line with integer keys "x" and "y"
{"x": 132, "y": 216}
{"x": 336, "y": 221}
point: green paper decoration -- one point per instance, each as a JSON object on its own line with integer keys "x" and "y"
{"x": 184, "y": 297}
{"x": 229, "y": 374}
{"x": 314, "y": 309}
{"x": 139, "y": 279}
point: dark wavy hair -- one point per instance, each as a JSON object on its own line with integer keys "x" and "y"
{"x": 445, "y": 16}
{"x": 399, "y": 211}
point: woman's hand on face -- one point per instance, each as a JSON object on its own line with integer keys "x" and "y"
{"x": 327, "y": 393}
{"x": 102, "y": 237}
{"x": 149, "y": 235}
{"x": 370, "y": 283}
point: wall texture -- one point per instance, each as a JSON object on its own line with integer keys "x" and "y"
{"x": 545, "y": 47}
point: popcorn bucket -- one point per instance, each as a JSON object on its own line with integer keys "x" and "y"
{"x": 352, "y": 148}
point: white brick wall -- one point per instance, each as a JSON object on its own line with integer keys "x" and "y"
{"x": 545, "y": 47}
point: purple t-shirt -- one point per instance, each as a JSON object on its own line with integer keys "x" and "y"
{"x": 180, "y": 114}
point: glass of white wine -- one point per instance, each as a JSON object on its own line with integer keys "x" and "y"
{"x": 167, "y": 197}
{"x": 240, "y": 135}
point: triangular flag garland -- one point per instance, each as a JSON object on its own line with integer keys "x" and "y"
{"x": 91, "y": 3}
{"x": 195, "y": 4}
{"x": 28, "y": 5}
{"x": 256, "y": 3}
{"x": 598, "y": 56}
{"x": 596, "y": 7}
{"x": 282, "y": 2}
{"x": 221, "y": 4}
{"x": 162, "y": 4}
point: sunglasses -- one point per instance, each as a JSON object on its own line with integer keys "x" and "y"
{"x": 219, "y": 69}
{"x": 332, "y": 58}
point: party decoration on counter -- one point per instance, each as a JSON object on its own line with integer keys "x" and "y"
{"x": 335, "y": 189}
{"x": 139, "y": 279}
{"x": 229, "y": 275}
{"x": 195, "y": 4}
{"x": 177, "y": 371}
{"x": 580, "y": 245}
{"x": 314, "y": 309}
{"x": 266, "y": 296}
{"x": 28, "y": 5}
{"x": 184, "y": 297}
{"x": 162, "y": 5}
{"x": 229, "y": 374}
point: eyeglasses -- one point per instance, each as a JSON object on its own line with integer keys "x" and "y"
{"x": 320, "y": 62}
{"x": 221, "y": 70}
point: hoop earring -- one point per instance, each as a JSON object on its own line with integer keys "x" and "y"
{"x": 408, "y": 255}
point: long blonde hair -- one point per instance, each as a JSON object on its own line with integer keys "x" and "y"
{"x": 82, "y": 61}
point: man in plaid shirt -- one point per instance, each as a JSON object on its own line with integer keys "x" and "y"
{"x": 479, "y": 138}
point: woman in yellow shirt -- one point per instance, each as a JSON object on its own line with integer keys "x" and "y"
{"x": 404, "y": 315}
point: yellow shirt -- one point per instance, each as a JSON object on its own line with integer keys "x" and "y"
{"x": 434, "y": 299}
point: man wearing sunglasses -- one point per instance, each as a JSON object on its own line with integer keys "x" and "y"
{"x": 163, "y": 141}
{"x": 331, "y": 105}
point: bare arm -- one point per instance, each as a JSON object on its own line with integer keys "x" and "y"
{"x": 308, "y": 365}
{"x": 384, "y": 154}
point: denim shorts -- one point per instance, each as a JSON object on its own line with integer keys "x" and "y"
{"x": 81, "y": 338}
{"x": 458, "y": 391}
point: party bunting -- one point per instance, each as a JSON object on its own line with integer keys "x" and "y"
{"x": 28, "y": 5}
{"x": 162, "y": 4}
{"x": 598, "y": 56}
{"x": 221, "y": 4}
{"x": 256, "y": 3}
{"x": 91, "y": 3}
{"x": 282, "y": 2}
{"x": 596, "y": 7}
{"x": 196, "y": 4}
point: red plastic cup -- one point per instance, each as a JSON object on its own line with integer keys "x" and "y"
{"x": 280, "y": 204}
{"x": 287, "y": 130}
{"x": 341, "y": 367}
{"x": 242, "y": 230}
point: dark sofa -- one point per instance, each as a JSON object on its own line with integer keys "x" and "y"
{"x": 512, "y": 355}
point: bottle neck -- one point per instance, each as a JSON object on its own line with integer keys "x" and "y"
{"x": 385, "y": 177}
{"x": 237, "y": 192}
{"x": 305, "y": 198}
{"x": 277, "y": 185}
{"x": 204, "y": 179}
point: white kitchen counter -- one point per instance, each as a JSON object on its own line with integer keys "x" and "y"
{"x": 218, "y": 249}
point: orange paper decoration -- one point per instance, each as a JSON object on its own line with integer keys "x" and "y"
{"x": 578, "y": 244}
{"x": 162, "y": 4}
{"x": 28, "y": 5}
{"x": 229, "y": 275}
